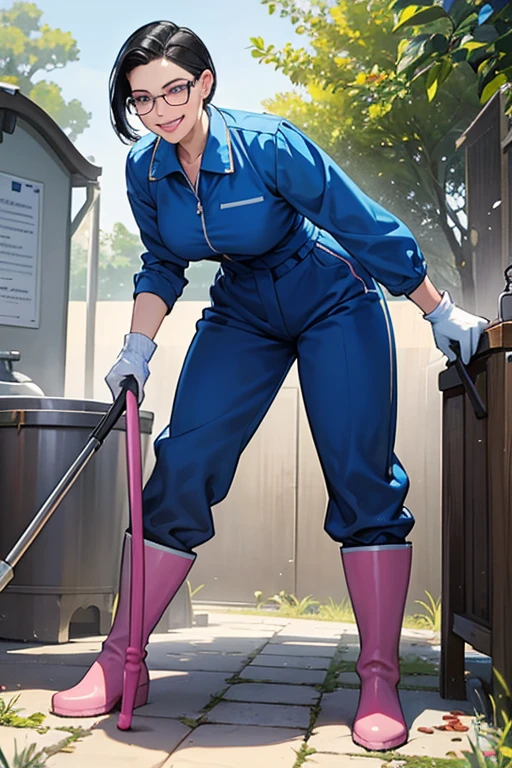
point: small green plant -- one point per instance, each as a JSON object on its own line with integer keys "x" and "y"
{"x": 193, "y": 592}
{"x": 28, "y": 758}
{"x": 493, "y": 748}
{"x": 289, "y": 605}
{"x": 31, "y": 758}
{"x": 337, "y": 611}
{"x": 302, "y": 754}
{"x": 9, "y": 716}
{"x": 190, "y": 722}
{"x": 432, "y": 618}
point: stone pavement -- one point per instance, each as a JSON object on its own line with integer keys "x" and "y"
{"x": 244, "y": 691}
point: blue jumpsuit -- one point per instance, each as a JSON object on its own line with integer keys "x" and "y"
{"x": 301, "y": 249}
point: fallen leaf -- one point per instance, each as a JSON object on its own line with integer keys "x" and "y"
{"x": 424, "y": 729}
{"x": 460, "y": 727}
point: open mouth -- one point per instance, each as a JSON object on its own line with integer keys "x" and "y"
{"x": 171, "y": 125}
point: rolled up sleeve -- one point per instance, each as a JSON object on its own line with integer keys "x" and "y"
{"x": 162, "y": 273}
{"x": 319, "y": 189}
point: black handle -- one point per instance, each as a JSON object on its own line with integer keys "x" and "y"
{"x": 471, "y": 391}
{"x": 116, "y": 410}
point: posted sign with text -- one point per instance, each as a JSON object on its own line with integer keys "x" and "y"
{"x": 20, "y": 250}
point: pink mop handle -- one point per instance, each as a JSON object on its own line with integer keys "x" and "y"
{"x": 135, "y": 651}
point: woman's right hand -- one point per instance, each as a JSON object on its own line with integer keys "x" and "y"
{"x": 133, "y": 360}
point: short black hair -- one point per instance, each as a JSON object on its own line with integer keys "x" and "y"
{"x": 157, "y": 40}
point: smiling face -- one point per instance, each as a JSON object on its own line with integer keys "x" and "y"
{"x": 161, "y": 76}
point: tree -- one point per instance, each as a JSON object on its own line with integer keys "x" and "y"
{"x": 462, "y": 32}
{"x": 119, "y": 260}
{"x": 28, "y": 47}
{"x": 380, "y": 127}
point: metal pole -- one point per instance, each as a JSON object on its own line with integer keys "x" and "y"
{"x": 92, "y": 295}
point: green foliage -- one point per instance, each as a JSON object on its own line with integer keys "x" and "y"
{"x": 417, "y": 666}
{"x": 432, "y": 618}
{"x": 486, "y": 48}
{"x": 302, "y": 754}
{"x": 27, "y": 758}
{"x": 337, "y": 611}
{"x": 493, "y": 747}
{"x": 9, "y": 715}
{"x": 378, "y": 124}
{"x": 288, "y": 605}
{"x": 29, "y": 47}
{"x": 193, "y": 592}
{"x": 31, "y": 757}
{"x": 119, "y": 259}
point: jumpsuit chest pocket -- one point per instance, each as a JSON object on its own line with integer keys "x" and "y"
{"x": 328, "y": 259}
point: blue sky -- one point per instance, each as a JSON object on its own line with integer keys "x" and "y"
{"x": 224, "y": 25}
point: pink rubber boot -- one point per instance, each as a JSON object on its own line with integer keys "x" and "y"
{"x": 378, "y": 580}
{"x": 101, "y": 688}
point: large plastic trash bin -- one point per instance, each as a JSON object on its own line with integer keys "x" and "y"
{"x": 74, "y": 563}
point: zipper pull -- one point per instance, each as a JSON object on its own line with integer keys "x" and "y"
{"x": 199, "y": 208}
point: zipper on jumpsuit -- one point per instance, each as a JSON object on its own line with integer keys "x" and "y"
{"x": 200, "y": 209}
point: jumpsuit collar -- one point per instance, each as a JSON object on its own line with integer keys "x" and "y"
{"x": 217, "y": 156}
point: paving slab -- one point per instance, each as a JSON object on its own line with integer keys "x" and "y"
{"x": 272, "y": 693}
{"x": 425, "y": 651}
{"x": 292, "y": 662}
{"x": 294, "y": 647}
{"x": 316, "y": 630}
{"x": 244, "y": 645}
{"x": 426, "y": 708}
{"x": 418, "y": 682}
{"x": 147, "y": 745}
{"x": 36, "y": 683}
{"x": 283, "y": 675}
{"x": 200, "y": 661}
{"x": 320, "y": 760}
{"x": 332, "y": 731}
{"x": 421, "y": 708}
{"x": 350, "y": 652}
{"x": 237, "y": 746}
{"x": 177, "y": 694}
{"x": 272, "y": 715}
{"x": 77, "y": 653}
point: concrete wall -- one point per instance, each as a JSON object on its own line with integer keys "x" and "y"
{"x": 270, "y": 527}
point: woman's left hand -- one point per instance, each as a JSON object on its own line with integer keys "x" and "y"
{"x": 451, "y": 323}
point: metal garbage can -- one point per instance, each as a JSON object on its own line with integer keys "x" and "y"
{"x": 74, "y": 563}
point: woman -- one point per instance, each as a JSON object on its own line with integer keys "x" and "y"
{"x": 301, "y": 249}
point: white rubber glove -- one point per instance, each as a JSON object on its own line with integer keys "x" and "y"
{"x": 133, "y": 360}
{"x": 451, "y": 323}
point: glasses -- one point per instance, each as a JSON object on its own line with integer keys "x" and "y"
{"x": 175, "y": 94}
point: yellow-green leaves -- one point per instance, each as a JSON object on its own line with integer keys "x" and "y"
{"x": 437, "y": 75}
{"x": 486, "y": 46}
{"x": 419, "y": 14}
{"x": 491, "y": 88}
{"x": 29, "y": 47}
